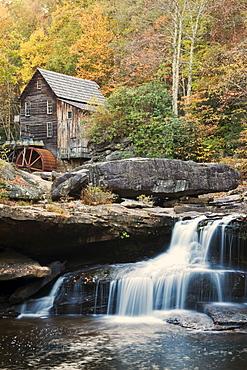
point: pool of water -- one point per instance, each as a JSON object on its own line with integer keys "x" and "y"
{"x": 105, "y": 343}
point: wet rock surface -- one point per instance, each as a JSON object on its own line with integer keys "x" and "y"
{"x": 225, "y": 313}
{"x": 198, "y": 321}
{"x": 30, "y": 288}
{"x": 84, "y": 293}
{"x": 112, "y": 233}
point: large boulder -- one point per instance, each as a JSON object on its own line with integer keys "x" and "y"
{"x": 162, "y": 177}
{"x": 20, "y": 185}
{"x": 69, "y": 184}
{"x": 14, "y": 266}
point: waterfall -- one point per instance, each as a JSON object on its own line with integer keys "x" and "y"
{"x": 41, "y": 307}
{"x": 202, "y": 264}
{"x": 178, "y": 278}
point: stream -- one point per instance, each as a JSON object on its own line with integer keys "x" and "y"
{"x": 105, "y": 343}
{"x": 135, "y": 327}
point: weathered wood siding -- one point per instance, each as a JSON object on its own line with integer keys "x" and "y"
{"x": 70, "y": 129}
{"x": 38, "y": 119}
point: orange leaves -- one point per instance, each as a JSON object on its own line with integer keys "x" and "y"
{"x": 95, "y": 58}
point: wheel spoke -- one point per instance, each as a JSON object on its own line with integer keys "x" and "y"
{"x": 24, "y": 161}
{"x": 31, "y": 164}
{"x": 34, "y": 169}
{"x": 30, "y": 156}
{"x": 35, "y": 159}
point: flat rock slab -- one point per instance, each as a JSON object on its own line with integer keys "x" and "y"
{"x": 196, "y": 321}
{"x": 15, "y": 265}
{"x": 225, "y": 314}
{"x": 162, "y": 177}
{"x": 35, "y": 231}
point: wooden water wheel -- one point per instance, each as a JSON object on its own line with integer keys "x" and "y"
{"x": 36, "y": 159}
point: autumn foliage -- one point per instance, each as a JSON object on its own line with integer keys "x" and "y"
{"x": 186, "y": 58}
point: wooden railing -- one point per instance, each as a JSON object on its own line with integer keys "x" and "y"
{"x": 75, "y": 152}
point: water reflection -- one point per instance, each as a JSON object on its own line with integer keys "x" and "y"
{"x": 109, "y": 343}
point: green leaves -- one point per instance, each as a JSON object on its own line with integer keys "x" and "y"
{"x": 144, "y": 114}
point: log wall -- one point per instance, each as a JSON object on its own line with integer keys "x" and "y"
{"x": 70, "y": 131}
{"x": 35, "y": 125}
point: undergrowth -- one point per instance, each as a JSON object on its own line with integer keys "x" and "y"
{"x": 94, "y": 195}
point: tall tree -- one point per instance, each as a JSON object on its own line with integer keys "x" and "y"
{"x": 34, "y": 53}
{"x": 182, "y": 32}
{"x": 9, "y": 72}
{"x": 64, "y": 31}
{"x": 29, "y": 15}
{"x": 95, "y": 57}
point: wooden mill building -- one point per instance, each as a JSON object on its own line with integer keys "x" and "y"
{"x": 54, "y": 110}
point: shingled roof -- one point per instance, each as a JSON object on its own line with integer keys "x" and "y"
{"x": 72, "y": 89}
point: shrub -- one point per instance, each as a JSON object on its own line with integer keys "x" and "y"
{"x": 144, "y": 115}
{"x": 97, "y": 195}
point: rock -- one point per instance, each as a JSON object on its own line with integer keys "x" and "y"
{"x": 20, "y": 185}
{"x": 114, "y": 156}
{"x": 71, "y": 187}
{"x": 7, "y": 171}
{"x": 8, "y": 314}
{"x": 14, "y": 266}
{"x": 135, "y": 204}
{"x": 44, "y": 175}
{"x": 30, "y": 289}
{"x": 225, "y": 314}
{"x": 55, "y": 175}
{"x": 23, "y": 192}
{"x": 192, "y": 200}
{"x": 37, "y": 231}
{"x": 196, "y": 321}
{"x": 162, "y": 177}
{"x": 60, "y": 179}
{"x": 183, "y": 208}
{"x": 77, "y": 294}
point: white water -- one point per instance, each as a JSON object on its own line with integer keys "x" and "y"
{"x": 176, "y": 279}
{"x": 40, "y": 307}
{"x": 165, "y": 282}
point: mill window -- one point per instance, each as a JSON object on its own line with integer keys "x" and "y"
{"x": 49, "y": 128}
{"x": 39, "y": 85}
{"x": 49, "y": 106}
{"x": 69, "y": 114}
{"x": 27, "y": 108}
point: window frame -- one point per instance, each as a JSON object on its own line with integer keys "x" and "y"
{"x": 49, "y": 129}
{"x": 49, "y": 106}
{"x": 39, "y": 84}
{"x": 27, "y": 108}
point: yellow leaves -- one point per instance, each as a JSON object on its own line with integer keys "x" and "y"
{"x": 94, "y": 54}
{"x": 34, "y": 53}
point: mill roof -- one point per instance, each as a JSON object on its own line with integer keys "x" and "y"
{"x": 72, "y": 89}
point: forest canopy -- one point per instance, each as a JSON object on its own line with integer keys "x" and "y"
{"x": 174, "y": 71}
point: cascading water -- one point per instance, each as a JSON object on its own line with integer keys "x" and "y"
{"x": 199, "y": 266}
{"x": 41, "y": 307}
{"x": 179, "y": 278}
